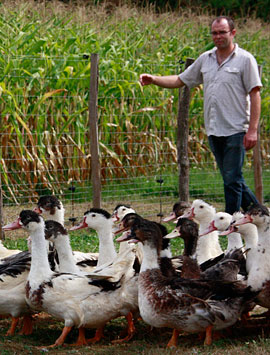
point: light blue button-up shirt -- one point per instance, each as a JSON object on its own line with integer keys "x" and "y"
{"x": 226, "y": 89}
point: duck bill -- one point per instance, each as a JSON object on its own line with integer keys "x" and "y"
{"x": 211, "y": 228}
{"x": 82, "y": 225}
{"x": 228, "y": 231}
{"x": 119, "y": 229}
{"x": 188, "y": 214}
{"x": 115, "y": 218}
{"x": 126, "y": 237}
{"x": 12, "y": 226}
{"x": 244, "y": 220}
{"x": 172, "y": 216}
{"x": 37, "y": 210}
{"x": 174, "y": 234}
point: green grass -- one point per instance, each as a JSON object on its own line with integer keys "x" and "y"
{"x": 252, "y": 340}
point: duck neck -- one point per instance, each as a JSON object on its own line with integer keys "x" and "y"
{"x": 64, "y": 251}
{"x": 251, "y": 238}
{"x": 59, "y": 216}
{"x": 150, "y": 258}
{"x": 107, "y": 250}
{"x": 263, "y": 234}
{"x": 190, "y": 245}
{"x": 234, "y": 241}
{"x": 208, "y": 247}
{"x": 40, "y": 268}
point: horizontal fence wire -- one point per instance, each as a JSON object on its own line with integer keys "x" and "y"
{"x": 45, "y": 147}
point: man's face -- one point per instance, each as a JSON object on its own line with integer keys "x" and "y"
{"x": 222, "y": 36}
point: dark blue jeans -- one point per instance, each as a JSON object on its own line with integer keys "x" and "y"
{"x": 230, "y": 153}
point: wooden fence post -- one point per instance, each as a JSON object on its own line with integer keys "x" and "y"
{"x": 93, "y": 130}
{"x": 257, "y": 163}
{"x": 182, "y": 139}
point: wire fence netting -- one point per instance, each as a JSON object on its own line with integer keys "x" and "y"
{"x": 45, "y": 137}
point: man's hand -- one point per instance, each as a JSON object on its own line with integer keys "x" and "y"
{"x": 146, "y": 79}
{"x": 250, "y": 139}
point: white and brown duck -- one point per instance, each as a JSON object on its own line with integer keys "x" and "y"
{"x": 172, "y": 302}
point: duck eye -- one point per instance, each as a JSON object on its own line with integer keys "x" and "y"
{"x": 201, "y": 206}
{"x": 93, "y": 215}
{"x": 221, "y": 218}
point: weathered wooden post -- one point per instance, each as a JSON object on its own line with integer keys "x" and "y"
{"x": 93, "y": 129}
{"x": 182, "y": 139}
{"x": 258, "y": 164}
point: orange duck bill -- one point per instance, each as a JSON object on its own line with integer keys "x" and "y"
{"x": 81, "y": 225}
{"x": 13, "y": 225}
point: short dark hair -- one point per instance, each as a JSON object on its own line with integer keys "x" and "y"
{"x": 227, "y": 18}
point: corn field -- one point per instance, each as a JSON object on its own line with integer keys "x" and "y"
{"x": 44, "y": 92}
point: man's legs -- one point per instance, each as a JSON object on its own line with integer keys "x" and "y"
{"x": 229, "y": 153}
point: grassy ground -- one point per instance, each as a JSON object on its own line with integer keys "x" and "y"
{"x": 250, "y": 339}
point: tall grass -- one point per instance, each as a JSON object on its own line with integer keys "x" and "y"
{"x": 44, "y": 87}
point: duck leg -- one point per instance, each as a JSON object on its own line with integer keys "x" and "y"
{"x": 13, "y": 326}
{"x": 99, "y": 334}
{"x": 174, "y": 339}
{"x": 130, "y": 330}
{"x": 208, "y": 335}
{"x": 81, "y": 338}
{"x": 27, "y": 328}
{"x": 61, "y": 339}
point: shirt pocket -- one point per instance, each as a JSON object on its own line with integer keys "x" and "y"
{"x": 231, "y": 75}
{"x": 207, "y": 75}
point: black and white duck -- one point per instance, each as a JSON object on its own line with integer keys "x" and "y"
{"x": 75, "y": 299}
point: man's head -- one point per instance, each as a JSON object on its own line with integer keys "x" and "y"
{"x": 223, "y": 32}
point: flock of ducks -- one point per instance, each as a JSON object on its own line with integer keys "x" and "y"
{"x": 204, "y": 289}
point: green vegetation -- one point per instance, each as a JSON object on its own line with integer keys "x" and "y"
{"x": 44, "y": 86}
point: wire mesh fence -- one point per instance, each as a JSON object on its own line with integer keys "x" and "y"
{"x": 45, "y": 138}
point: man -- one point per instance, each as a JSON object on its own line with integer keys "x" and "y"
{"x": 231, "y": 106}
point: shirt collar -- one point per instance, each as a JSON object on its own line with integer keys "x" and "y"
{"x": 212, "y": 52}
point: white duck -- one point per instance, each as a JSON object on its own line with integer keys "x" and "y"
{"x": 13, "y": 275}
{"x": 58, "y": 235}
{"x": 119, "y": 212}
{"x": 220, "y": 223}
{"x": 208, "y": 246}
{"x": 113, "y": 271}
{"x": 14, "y": 271}
{"x": 259, "y": 273}
{"x": 51, "y": 208}
{"x": 249, "y": 234}
{"x": 101, "y": 221}
{"x": 69, "y": 297}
